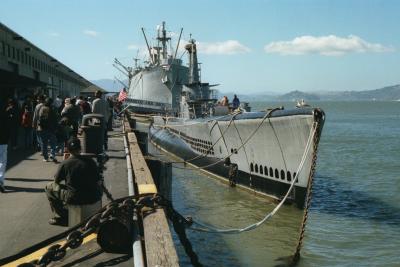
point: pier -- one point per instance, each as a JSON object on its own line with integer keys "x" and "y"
{"x": 128, "y": 172}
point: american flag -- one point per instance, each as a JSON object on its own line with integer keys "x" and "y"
{"x": 122, "y": 95}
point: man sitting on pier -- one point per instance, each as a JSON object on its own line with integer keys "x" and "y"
{"x": 82, "y": 184}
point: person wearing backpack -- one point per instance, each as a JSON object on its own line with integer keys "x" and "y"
{"x": 35, "y": 119}
{"x": 47, "y": 125}
{"x": 73, "y": 113}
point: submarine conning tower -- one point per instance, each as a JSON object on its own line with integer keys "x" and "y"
{"x": 193, "y": 65}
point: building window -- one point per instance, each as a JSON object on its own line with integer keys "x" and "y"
{"x": 282, "y": 174}
{"x": 2, "y": 48}
{"x": 13, "y": 52}
{"x": 8, "y": 50}
{"x": 276, "y": 173}
{"x": 266, "y": 170}
{"x": 271, "y": 172}
{"x": 256, "y": 168}
{"x": 261, "y": 169}
{"x": 251, "y": 167}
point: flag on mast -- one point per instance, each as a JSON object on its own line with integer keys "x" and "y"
{"x": 122, "y": 95}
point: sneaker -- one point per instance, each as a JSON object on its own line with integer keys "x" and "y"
{"x": 46, "y": 160}
{"x": 54, "y": 160}
{"x": 58, "y": 221}
{"x": 2, "y": 188}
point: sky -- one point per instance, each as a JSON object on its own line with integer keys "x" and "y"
{"x": 245, "y": 46}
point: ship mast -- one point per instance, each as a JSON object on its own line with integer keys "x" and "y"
{"x": 148, "y": 47}
{"x": 162, "y": 37}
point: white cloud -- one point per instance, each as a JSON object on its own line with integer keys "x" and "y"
{"x": 54, "y": 34}
{"x": 228, "y": 47}
{"x": 91, "y": 33}
{"x": 133, "y": 47}
{"x": 330, "y": 45}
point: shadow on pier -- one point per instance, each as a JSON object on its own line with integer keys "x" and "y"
{"x": 16, "y": 156}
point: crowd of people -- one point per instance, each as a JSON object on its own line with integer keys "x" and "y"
{"x": 48, "y": 123}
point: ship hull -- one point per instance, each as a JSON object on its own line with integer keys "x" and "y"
{"x": 157, "y": 89}
{"x": 267, "y": 162}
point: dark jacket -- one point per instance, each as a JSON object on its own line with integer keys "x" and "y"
{"x": 82, "y": 178}
{"x": 4, "y": 124}
{"x": 72, "y": 112}
{"x": 51, "y": 124}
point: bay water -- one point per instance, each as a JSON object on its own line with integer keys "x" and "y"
{"x": 354, "y": 218}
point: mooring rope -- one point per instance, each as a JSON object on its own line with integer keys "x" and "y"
{"x": 240, "y": 147}
{"x": 203, "y": 227}
{"x": 202, "y": 155}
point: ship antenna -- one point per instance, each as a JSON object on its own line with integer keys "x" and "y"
{"x": 127, "y": 71}
{"x": 177, "y": 45}
{"x": 147, "y": 43}
{"x": 136, "y": 59}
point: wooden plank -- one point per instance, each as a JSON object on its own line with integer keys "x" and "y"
{"x": 139, "y": 165}
{"x": 160, "y": 249}
{"x": 127, "y": 126}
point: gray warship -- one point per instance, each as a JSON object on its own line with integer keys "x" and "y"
{"x": 271, "y": 152}
{"x": 157, "y": 86}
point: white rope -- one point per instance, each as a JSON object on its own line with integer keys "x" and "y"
{"x": 240, "y": 147}
{"x": 203, "y": 227}
{"x": 202, "y": 155}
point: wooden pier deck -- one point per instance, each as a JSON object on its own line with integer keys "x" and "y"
{"x": 25, "y": 209}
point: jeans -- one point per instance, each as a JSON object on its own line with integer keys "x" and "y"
{"x": 57, "y": 194}
{"x": 47, "y": 138}
{"x": 28, "y": 137}
{"x": 105, "y": 139}
{"x": 3, "y": 162}
{"x": 38, "y": 140}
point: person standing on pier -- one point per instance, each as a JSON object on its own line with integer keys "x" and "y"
{"x": 76, "y": 182}
{"x": 35, "y": 119}
{"x": 100, "y": 106}
{"x": 73, "y": 113}
{"x": 14, "y": 120}
{"x": 4, "y": 139}
{"x": 47, "y": 125}
{"x": 26, "y": 123}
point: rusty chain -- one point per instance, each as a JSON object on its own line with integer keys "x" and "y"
{"x": 307, "y": 205}
{"x": 121, "y": 207}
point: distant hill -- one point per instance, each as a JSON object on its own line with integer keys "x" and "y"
{"x": 297, "y": 95}
{"x": 249, "y": 97}
{"x": 387, "y": 93}
{"x": 109, "y": 85}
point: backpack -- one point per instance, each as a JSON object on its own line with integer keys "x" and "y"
{"x": 26, "y": 119}
{"x": 43, "y": 121}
